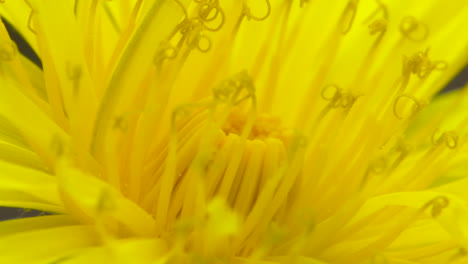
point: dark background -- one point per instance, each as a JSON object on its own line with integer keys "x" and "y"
{"x": 11, "y": 213}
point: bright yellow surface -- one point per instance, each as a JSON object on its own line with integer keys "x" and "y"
{"x": 235, "y": 131}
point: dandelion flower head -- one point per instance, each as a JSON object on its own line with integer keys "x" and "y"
{"x": 234, "y": 131}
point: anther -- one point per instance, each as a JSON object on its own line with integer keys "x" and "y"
{"x": 348, "y": 16}
{"x": 413, "y": 30}
{"x": 416, "y": 106}
{"x": 437, "y": 205}
{"x": 450, "y": 138}
{"x": 247, "y": 13}
{"x": 8, "y": 51}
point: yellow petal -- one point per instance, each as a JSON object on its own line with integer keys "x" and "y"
{"x": 17, "y": 226}
{"x": 449, "y": 210}
{"x": 10, "y": 134}
{"x": 46, "y": 244}
{"x": 36, "y": 77}
{"x": 20, "y": 156}
{"x": 28, "y": 188}
{"x": 91, "y": 199}
{"x": 139, "y": 251}
{"x": 133, "y": 66}
{"x": 65, "y": 68}
{"x": 46, "y": 138}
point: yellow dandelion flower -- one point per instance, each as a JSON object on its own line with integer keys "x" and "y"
{"x": 234, "y": 131}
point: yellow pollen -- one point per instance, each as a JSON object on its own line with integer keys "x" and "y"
{"x": 265, "y": 126}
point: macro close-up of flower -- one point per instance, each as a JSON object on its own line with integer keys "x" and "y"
{"x": 234, "y": 131}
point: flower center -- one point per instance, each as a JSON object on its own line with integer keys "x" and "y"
{"x": 264, "y": 126}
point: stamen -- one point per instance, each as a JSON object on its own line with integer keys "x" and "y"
{"x": 337, "y": 97}
{"x": 248, "y": 13}
{"x": 413, "y": 29}
{"x": 191, "y": 28}
{"x": 191, "y": 34}
{"x": 436, "y": 205}
{"x": 209, "y": 11}
{"x": 420, "y": 65}
{"x": 416, "y": 106}
{"x": 378, "y": 26}
{"x": 230, "y": 91}
{"x": 450, "y": 138}
{"x": 8, "y": 51}
{"x": 403, "y": 149}
{"x": 389, "y": 161}
{"x": 31, "y": 16}
{"x": 348, "y": 16}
